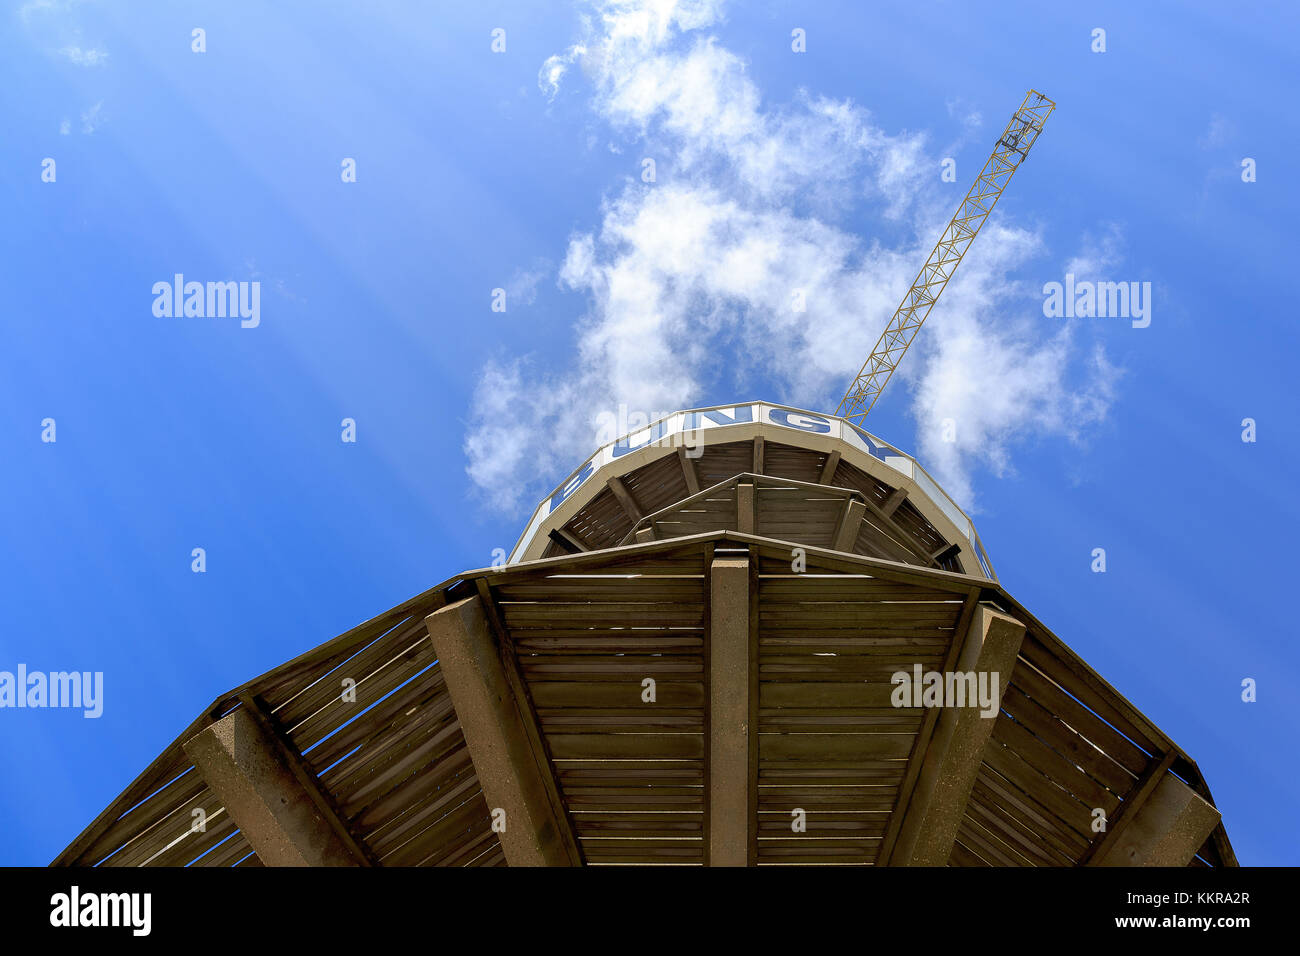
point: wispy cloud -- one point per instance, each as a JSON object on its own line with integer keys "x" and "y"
{"x": 522, "y": 287}
{"x": 1219, "y": 131}
{"x": 742, "y": 248}
{"x": 47, "y": 8}
{"x": 1097, "y": 253}
{"x": 34, "y": 7}
{"x": 54, "y": 26}
{"x": 959, "y": 109}
{"x": 93, "y": 118}
{"x": 92, "y": 56}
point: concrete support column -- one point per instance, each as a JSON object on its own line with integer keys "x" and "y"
{"x": 731, "y": 822}
{"x": 1166, "y": 830}
{"x": 956, "y": 750}
{"x": 745, "y": 514}
{"x": 513, "y": 774}
{"x": 253, "y": 774}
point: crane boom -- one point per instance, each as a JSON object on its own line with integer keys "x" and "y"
{"x": 1011, "y": 149}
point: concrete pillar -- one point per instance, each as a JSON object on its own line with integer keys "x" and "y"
{"x": 956, "y": 749}
{"x": 251, "y": 772}
{"x": 745, "y": 514}
{"x": 731, "y": 823}
{"x": 513, "y": 774}
{"x": 1166, "y": 830}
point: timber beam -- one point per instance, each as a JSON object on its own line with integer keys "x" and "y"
{"x": 567, "y": 541}
{"x": 624, "y": 498}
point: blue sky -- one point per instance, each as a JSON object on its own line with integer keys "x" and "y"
{"x": 522, "y": 170}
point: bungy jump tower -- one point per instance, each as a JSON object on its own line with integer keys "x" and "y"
{"x": 746, "y": 634}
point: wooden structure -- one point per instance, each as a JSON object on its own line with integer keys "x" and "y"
{"x": 696, "y": 669}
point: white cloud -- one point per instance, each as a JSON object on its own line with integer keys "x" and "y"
{"x": 994, "y": 371}
{"x": 1219, "y": 132}
{"x": 1098, "y": 254}
{"x": 522, "y": 287}
{"x": 92, "y": 118}
{"x": 752, "y": 208}
{"x": 33, "y": 7}
{"x": 553, "y": 70}
{"x": 65, "y": 127}
{"x": 959, "y": 109}
{"x": 54, "y": 27}
{"x": 41, "y": 8}
{"x": 84, "y": 57}
{"x": 506, "y": 459}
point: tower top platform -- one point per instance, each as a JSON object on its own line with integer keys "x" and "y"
{"x": 813, "y": 479}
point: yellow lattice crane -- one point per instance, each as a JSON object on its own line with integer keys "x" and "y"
{"x": 1011, "y": 149}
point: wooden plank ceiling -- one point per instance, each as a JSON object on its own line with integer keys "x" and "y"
{"x": 799, "y": 496}
{"x": 372, "y": 719}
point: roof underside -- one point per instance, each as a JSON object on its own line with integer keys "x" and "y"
{"x": 800, "y": 496}
{"x": 583, "y": 631}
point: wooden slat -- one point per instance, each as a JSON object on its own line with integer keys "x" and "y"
{"x": 834, "y": 747}
{"x": 1043, "y": 724}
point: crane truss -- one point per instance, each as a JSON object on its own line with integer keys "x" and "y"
{"x": 1011, "y": 150}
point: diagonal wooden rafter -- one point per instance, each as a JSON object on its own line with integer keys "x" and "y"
{"x": 726, "y": 487}
{"x": 828, "y": 468}
{"x": 899, "y": 538}
{"x": 624, "y": 498}
{"x": 689, "y": 474}
{"x": 569, "y": 542}
{"x": 904, "y": 537}
{"x": 890, "y": 504}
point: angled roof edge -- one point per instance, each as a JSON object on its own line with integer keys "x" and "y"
{"x": 439, "y": 595}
